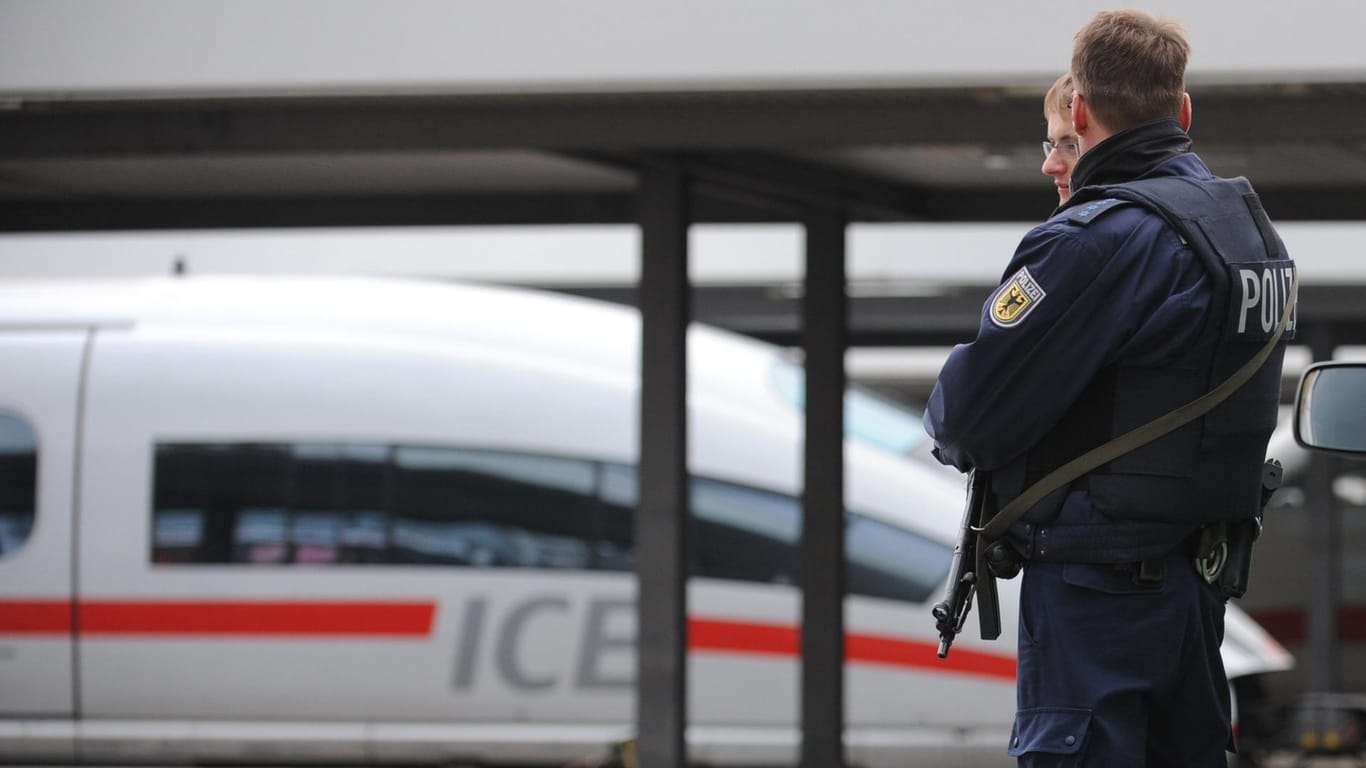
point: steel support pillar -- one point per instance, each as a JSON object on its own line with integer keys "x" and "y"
{"x": 824, "y": 313}
{"x": 661, "y": 526}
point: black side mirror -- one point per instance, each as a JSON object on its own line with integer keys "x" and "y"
{"x": 1330, "y": 408}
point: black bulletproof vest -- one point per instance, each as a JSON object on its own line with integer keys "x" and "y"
{"x": 1209, "y": 469}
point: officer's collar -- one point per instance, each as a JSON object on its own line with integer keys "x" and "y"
{"x": 1131, "y": 153}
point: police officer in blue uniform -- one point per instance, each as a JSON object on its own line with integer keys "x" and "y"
{"x": 1145, "y": 290}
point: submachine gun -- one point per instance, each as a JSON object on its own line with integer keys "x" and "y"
{"x": 969, "y": 574}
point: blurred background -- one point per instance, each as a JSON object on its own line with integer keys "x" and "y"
{"x": 504, "y": 144}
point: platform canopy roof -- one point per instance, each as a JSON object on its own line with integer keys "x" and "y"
{"x": 176, "y": 114}
{"x": 146, "y": 114}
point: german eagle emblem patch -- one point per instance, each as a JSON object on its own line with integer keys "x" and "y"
{"x": 1016, "y": 298}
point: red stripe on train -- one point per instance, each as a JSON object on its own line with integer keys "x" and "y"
{"x": 35, "y": 617}
{"x": 198, "y": 617}
{"x": 228, "y": 617}
{"x": 353, "y": 618}
{"x": 784, "y": 640}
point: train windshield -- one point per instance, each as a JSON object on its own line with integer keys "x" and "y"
{"x": 868, "y": 416}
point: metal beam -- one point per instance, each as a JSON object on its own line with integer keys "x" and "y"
{"x": 822, "y": 562}
{"x": 954, "y": 116}
{"x": 405, "y": 124}
{"x": 661, "y": 528}
{"x": 805, "y": 184}
{"x": 783, "y": 186}
{"x": 122, "y": 214}
{"x": 712, "y": 202}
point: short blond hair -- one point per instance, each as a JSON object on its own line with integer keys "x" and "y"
{"x": 1058, "y": 100}
{"x": 1130, "y": 66}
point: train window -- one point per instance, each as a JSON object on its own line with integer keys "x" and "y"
{"x": 743, "y": 534}
{"x": 495, "y": 509}
{"x": 213, "y": 503}
{"x": 615, "y": 530}
{"x": 313, "y": 504}
{"x": 738, "y": 533}
{"x": 335, "y": 509}
{"x": 260, "y": 535}
{"x": 18, "y": 482}
{"x": 354, "y": 503}
{"x": 891, "y": 562}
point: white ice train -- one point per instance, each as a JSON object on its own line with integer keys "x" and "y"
{"x": 351, "y": 520}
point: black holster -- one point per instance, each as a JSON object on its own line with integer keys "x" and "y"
{"x": 1242, "y": 534}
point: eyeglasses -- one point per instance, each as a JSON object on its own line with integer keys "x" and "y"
{"x": 1067, "y": 148}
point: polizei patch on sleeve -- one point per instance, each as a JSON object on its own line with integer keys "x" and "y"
{"x": 1016, "y": 298}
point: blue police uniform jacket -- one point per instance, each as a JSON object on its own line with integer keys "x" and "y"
{"x": 1105, "y": 319}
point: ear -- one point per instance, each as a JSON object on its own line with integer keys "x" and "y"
{"x": 1081, "y": 114}
{"x": 1184, "y": 116}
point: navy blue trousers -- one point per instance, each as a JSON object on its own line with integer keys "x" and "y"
{"x": 1118, "y": 674}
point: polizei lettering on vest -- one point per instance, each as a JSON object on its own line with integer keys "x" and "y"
{"x": 1264, "y": 292}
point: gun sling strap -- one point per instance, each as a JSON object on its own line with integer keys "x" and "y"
{"x": 1139, "y": 436}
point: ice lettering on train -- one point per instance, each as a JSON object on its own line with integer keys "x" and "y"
{"x": 604, "y": 639}
{"x": 513, "y": 627}
{"x": 606, "y": 644}
{"x": 471, "y": 629}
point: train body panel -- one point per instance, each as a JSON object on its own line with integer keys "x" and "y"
{"x": 361, "y": 520}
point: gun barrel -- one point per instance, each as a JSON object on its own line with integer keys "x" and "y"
{"x": 963, "y": 577}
